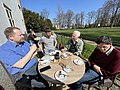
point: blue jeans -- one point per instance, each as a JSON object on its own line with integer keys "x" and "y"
{"x": 30, "y": 71}
{"x": 89, "y": 77}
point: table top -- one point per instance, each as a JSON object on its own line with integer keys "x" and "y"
{"x": 54, "y": 66}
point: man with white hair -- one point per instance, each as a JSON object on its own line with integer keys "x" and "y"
{"x": 75, "y": 44}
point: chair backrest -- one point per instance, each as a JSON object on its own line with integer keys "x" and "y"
{"x": 117, "y": 80}
{"x": 6, "y": 80}
{"x": 1, "y": 88}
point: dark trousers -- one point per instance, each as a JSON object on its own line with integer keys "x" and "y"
{"x": 31, "y": 77}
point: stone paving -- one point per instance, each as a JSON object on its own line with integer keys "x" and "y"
{"x": 114, "y": 87}
{"x": 90, "y": 42}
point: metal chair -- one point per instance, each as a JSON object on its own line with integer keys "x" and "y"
{"x": 116, "y": 83}
{"x": 106, "y": 85}
{"x": 7, "y": 82}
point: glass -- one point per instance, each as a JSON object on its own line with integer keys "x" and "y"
{"x": 57, "y": 55}
{"x": 31, "y": 42}
{"x": 67, "y": 67}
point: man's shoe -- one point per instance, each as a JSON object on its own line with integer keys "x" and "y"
{"x": 24, "y": 81}
{"x": 38, "y": 78}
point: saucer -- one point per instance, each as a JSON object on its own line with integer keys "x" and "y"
{"x": 64, "y": 56}
{"x": 47, "y": 58}
{"x": 67, "y": 69}
{"x": 52, "y": 53}
{"x": 78, "y": 62}
{"x": 61, "y": 75}
{"x": 44, "y": 63}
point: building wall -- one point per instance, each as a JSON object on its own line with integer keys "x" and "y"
{"x": 17, "y": 16}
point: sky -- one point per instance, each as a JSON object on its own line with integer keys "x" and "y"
{"x": 52, "y": 6}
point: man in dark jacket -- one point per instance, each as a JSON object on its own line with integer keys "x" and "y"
{"x": 104, "y": 61}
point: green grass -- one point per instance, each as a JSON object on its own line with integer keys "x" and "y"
{"x": 62, "y": 39}
{"x": 93, "y": 33}
{"x": 88, "y": 49}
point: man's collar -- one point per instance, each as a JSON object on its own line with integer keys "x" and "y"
{"x": 12, "y": 43}
{"x": 109, "y": 51}
{"x": 76, "y": 40}
{"x": 16, "y": 45}
{"x": 22, "y": 43}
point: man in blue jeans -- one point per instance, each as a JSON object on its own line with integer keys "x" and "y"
{"x": 104, "y": 61}
{"x": 17, "y": 55}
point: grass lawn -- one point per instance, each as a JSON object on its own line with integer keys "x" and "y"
{"x": 93, "y": 33}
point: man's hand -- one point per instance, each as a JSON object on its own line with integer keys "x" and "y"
{"x": 33, "y": 48}
{"x": 62, "y": 50}
{"x": 97, "y": 69}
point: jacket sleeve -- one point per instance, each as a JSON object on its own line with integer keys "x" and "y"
{"x": 113, "y": 68}
{"x": 79, "y": 47}
{"x": 92, "y": 57}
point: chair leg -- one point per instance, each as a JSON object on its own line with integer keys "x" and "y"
{"x": 108, "y": 88}
{"x": 100, "y": 87}
{"x": 22, "y": 88}
{"x": 90, "y": 88}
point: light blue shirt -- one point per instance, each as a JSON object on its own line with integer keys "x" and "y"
{"x": 10, "y": 53}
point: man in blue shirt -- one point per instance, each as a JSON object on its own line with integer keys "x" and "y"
{"x": 17, "y": 54}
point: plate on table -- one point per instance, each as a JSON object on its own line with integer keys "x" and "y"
{"x": 64, "y": 56}
{"x": 52, "y": 53}
{"x": 47, "y": 58}
{"x": 61, "y": 75}
{"x": 78, "y": 62}
{"x": 67, "y": 69}
{"x": 44, "y": 63}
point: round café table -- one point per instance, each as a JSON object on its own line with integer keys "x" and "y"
{"x": 74, "y": 75}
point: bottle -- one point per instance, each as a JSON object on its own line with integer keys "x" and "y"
{"x": 101, "y": 81}
{"x": 57, "y": 55}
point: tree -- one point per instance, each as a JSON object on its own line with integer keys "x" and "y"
{"x": 79, "y": 20}
{"x": 82, "y": 18}
{"x": 106, "y": 16}
{"x": 60, "y": 17}
{"x": 49, "y": 23}
{"x": 116, "y": 6}
{"x": 91, "y": 17}
{"x": 33, "y": 20}
{"x": 44, "y": 13}
{"x": 69, "y": 18}
{"x": 98, "y": 17}
{"x": 54, "y": 21}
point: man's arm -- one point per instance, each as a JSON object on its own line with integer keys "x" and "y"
{"x": 97, "y": 69}
{"x": 79, "y": 48}
{"x": 22, "y": 62}
{"x": 55, "y": 42}
{"x": 114, "y": 66}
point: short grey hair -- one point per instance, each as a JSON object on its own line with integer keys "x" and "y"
{"x": 77, "y": 33}
{"x": 103, "y": 39}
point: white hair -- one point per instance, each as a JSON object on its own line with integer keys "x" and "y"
{"x": 77, "y": 33}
